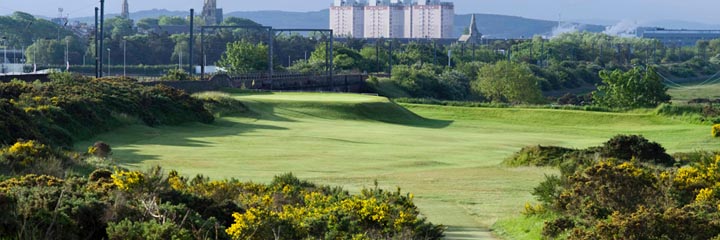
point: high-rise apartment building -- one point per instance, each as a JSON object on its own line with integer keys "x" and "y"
{"x": 392, "y": 18}
{"x": 347, "y": 18}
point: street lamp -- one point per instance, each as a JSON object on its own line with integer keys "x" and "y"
{"x": 108, "y": 71}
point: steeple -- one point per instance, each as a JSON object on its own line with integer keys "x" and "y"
{"x": 473, "y": 26}
{"x": 473, "y": 36}
{"x": 211, "y": 13}
{"x": 125, "y": 10}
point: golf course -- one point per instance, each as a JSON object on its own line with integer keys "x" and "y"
{"x": 450, "y": 158}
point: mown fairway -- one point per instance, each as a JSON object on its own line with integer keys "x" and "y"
{"x": 449, "y": 157}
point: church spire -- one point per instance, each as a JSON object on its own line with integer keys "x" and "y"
{"x": 125, "y": 10}
{"x": 473, "y": 26}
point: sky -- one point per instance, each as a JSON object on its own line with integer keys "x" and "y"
{"x": 702, "y": 11}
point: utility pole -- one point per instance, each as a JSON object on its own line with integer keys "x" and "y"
{"x": 67, "y": 54}
{"x": 124, "y": 57}
{"x": 435, "y": 52}
{"x": 377, "y": 55}
{"x": 34, "y": 57}
{"x": 101, "y": 38}
{"x": 4, "y": 41}
{"x": 108, "y": 71}
{"x": 191, "y": 42}
{"x": 97, "y": 48}
{"x": 390, "y": 57}
{"x": 202, "y": 53}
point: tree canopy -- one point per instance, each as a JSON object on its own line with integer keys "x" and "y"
{"x": 508, "y": 82}
{"x": 243, "y": 57}
{"x": 634, "y": 88}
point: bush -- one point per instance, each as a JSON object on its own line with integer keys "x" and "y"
{"x": 221, "y": 104}
{"x": 100, "y": 149}
{"x": 71, "y": 107}
{"x": 548, "y": 190}
{"x": 629, "y": 147}
{"x": 556, "y": 227}
{"x": 539, "y": 156}
{"x": 129, "y": 230}
{"x": 716, "y": 130}
{"x": 176, "y": 75}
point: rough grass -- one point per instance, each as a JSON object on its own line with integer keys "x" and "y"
{"x": 449, "y": 157}
{"x": 694, "y": 90}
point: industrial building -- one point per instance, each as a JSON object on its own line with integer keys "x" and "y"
{"x": 678, "y": 37}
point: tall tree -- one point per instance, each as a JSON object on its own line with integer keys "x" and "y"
{"x": 243, "y": 57}
{"x": 634, "y": 88}
{"x": 508, "y": 82}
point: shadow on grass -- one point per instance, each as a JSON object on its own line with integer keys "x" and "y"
{"x": 390, "y": 112}
{"x": 454, "y": 232}
{"x": 386, "y": 112}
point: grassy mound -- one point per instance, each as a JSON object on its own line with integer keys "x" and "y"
{"x": 335, "y": 107}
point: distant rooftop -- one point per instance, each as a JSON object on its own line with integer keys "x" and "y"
{"x": 681, "y": 31}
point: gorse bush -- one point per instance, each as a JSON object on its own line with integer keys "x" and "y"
{"x": 630, "y": 192}
{"x": 152, "y": 205}
{"x": 629, "y": 147}
{"x": 294, "y": 209}
{"x": 715, "y": 130}
{"x": 71, "y": 107}
{"x": 221, "y": 104}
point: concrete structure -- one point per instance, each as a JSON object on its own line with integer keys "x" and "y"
{"x": 431, "y": 19}
{"x": 678, "y": 37}
{"x": 392, "y": 18}
{"x": 347, "y": 18}
{"x": 211, "y": 14}
{"x": 473, "y": 36}
{"x": 125, "y": 13}
{"x": 385, "y": 20}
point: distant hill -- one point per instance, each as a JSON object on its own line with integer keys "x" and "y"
{"x": 502, "y": 26}
{"x": 494, "y": 26}
{"x": 282, "y": 19}
{"x": 491, "y": 25}
{"x": 154, "y": 13}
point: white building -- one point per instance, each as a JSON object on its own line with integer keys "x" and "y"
{"x": 392, "y": 18}
{"x": 384, "y": 20}
{"x": 347, "y": 18}
{"x": 430, "y": 19}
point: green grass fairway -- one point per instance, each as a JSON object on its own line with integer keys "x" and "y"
{"x": 449, "y": 157}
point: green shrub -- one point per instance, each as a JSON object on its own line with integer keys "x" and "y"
{"x": 72, "y": 107}
{"x": 221, "y": 104}
{"x": 129, "y": 230}
{"x": 177, "y": 75}
{"x": 629, "y": 147}
{"x": 556, "y": 227}
{"x": 548, "y": 190}
{"x": 539, "y": 156}
{"x": 33, "y": 157}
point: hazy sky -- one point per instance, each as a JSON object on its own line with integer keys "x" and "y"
{"x": 635, "y": 10}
